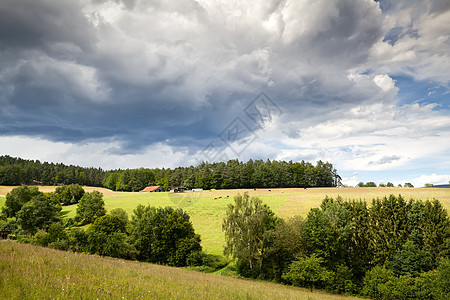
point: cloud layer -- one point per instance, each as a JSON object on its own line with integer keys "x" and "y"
{"x": 153, "y": 83}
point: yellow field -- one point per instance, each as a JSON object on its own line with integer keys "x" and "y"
{"x": 300, "y": 200}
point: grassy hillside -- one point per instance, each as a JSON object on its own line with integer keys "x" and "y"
{"x": 207, "y": 213}
{"x": 30, "y": 272}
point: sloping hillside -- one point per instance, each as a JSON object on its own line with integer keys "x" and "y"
{"x": 30, "y": 272}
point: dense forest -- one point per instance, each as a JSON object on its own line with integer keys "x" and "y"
{"x": 220, "y": 175}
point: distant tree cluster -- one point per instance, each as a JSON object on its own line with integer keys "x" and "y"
{"x": 394, "y": 249}
{"x": 17, "y": 171}
{"x": 231, "y": 175}
{"x": 389, "y": 184}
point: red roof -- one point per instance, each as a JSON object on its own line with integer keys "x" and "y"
{"x": 150, "y": 188}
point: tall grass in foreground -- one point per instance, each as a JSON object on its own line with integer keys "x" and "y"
{"x": 30, "y": 272}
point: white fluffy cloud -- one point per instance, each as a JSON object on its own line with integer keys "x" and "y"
{"x": 419, "y": 43}
{"x": 431, "y": 179}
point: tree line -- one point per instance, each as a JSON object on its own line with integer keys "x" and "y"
{"x": 230, "y": 175}
{"x": 394, "y": 249}
{"x": 233, "y": 174}
{"x": 18, "y": 171}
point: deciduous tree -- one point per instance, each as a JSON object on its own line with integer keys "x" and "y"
{"x": 90, "y": 207}
{"x": 38, "y": 213}
{"x": 246, "y": 227}
{"x": 163, "y": 235}
{"x": 17, "y": 198}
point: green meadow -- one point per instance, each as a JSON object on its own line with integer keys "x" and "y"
{"x": 207, "y": 210}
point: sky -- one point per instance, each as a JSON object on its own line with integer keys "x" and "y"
{"x": 363, "y": 84}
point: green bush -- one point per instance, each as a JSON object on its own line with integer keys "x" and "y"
{"x": 113, "y": 244}
{"x": 308, "y": 272}
{"x": 108, "y": 224}
{"x": 78, "y": 240}
{"x": 209, "y": 262}
{"x": 375, "y": 280}
{"x": 10, "y": 225}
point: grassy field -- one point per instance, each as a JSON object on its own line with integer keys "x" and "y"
{"x": 207, "y": 213}
{"x": 30, "y": 272}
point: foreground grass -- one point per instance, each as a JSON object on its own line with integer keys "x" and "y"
{"x": 30, "y": 272}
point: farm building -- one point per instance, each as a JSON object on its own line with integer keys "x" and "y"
{"x": 151, "y": 189}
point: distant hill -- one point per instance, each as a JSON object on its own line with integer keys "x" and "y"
{"x": 442, "y": 186}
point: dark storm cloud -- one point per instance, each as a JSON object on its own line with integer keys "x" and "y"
{"x": 28, "y": 24}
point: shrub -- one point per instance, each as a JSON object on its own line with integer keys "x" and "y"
{"x": 375, "y": 280}
{"x": 108, "y": 224}
{"x": 308, "y": 272}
